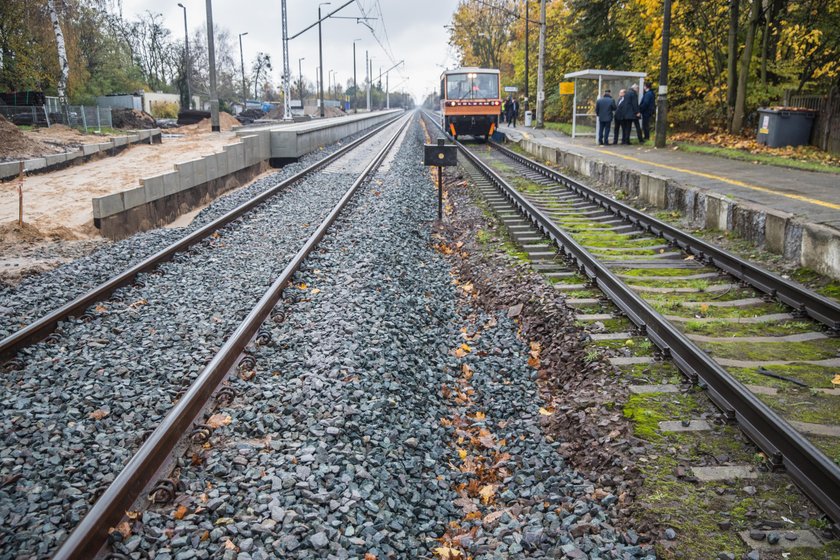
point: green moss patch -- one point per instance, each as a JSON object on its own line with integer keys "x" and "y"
{"x": 821, "y": 349}
{"x": 638, "y": 345}
{"x": 676, "y": 308}
{"x": 804, "y": 405}
{"x": 813, "y": 376}
{"x": 657, "y": 373}
{"x": 642, "y": 272}
{"x": 724, "y": 328}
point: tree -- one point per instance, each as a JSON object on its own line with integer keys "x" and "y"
{"x": 63, "y": 65}
{"x": 743, "y": 73}
{"x": 260, "y": 68}
{"x": 481, "y": 29}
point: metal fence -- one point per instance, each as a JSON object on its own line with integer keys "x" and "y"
{"x": 78, "y": 116}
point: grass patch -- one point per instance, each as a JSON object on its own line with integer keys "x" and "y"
{"x": 657, "y": 373}
{"x": 638, "y": 345}
{"x": 677, "y": 308}
{"x": 566, "y": 128}
{"x": 805, "y": 406}
{"x": 766, "y": 159}
{"x": 690, "y": 300}
{"x": 675, "y": 272}
{"x": 817, "y": 282}
{"x": 831, "y": 448}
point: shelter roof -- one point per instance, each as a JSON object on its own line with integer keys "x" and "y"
{"x": 595, "y": 74}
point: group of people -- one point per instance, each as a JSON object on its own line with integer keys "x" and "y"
{"x": 510, "y": 111}
{"x": 625, "y": 111}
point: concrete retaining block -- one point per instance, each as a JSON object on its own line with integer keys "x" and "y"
{"x": 105, "y": 146}
{"x": 90, "y": 149}
{"x": 55, "y": 159}
{"x": 74, "y": 155}
{"x": 105, "y": 206}
{"x": 222, "y": 164}
{"x": 185, "y": 175}
{"x": 153, "y": 186}
{"x": 821, "y": 249}
{"x": 120, "y": 141}
{"x": 134, "y": 197}
{"x": 211, "y": 167}
{"x": 10, "y": 169}
{"x": 171, "y": 184}
{"x": 653, "y": 190}
{"x": 199, "y": 169}
{"x": 33, "y": 164}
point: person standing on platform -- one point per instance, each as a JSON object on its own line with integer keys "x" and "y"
{"x": 633, "y": 100}
{"x": 619, "y": 116}
{"x": 647, "y": 107}
{"x": 604, "y": 108}
{"x": 514, "y": 111}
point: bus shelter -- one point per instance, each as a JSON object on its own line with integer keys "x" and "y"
{"x": 589, "y": 86}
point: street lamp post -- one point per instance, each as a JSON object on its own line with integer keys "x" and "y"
{"x": 242, "y": 63}
{"x": 541, "y": 69}
{"x": 367, "y": 78}
{"x": 321, "y": 55}
{"x": 527, "y": 40}
{"x": 300, "y": 83}
{"x": 189, "y": 62}
{"x": 355, "y": 83}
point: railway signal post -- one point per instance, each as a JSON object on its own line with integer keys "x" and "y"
{"x": 440, "y": 155}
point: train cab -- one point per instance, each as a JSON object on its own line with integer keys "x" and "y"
{"x": 470, "y": 102}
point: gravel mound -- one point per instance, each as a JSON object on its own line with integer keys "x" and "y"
{"x": 132, "y": 119}
{"x": 388, "y": 418}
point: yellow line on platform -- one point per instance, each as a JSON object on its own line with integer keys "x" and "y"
{"x": 798, "y": 197}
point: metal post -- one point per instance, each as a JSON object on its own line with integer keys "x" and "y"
{"x": 287, "y": 73}
{"x": 211, "y": 53}
{"x": 541, "y": 69}
{"x": 47, "y": 116}
{"x": 367, "y": 79}
{"x": 21, "y": 175}
{"x": 387, "y": 93}
{"x": 242, "y": 63}
{"x": 662, "y": 101}
{"x": 321, "y": 57}
{"x": 527, "y": 24}
{"x": 187, "y": 51}
{"x": 98, "y": 120}
{"x": 300, "y": 83}
{"x": 574, "y": 110}
{"x": 355, "y": 83}
{"x": 84, "y": 117}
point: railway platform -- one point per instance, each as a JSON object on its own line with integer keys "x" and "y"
{"x": 787, "y": 211}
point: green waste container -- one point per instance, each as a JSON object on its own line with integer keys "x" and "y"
{"x": 784, "y": 127}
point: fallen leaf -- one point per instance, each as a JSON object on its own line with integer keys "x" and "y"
{"x": 229, "y": 545}
{"x": 315, "y": 291}
{"x": 480, "y": 416}
{"x": 466, "y": 348}
{"x": 468, "y": 287}
{"x": 466, "y": 371}
{"x": 836, "y": 380}
{"x": 488, "y": 493}
{"x": 447, "y": 553}
{"x": 98, "y": 414}
{"x": 301, "y": 286}
{"x": 462, "y": 453}
{"x": 370, "y": 556}
{"x": 100, "y": 309}
{"x": 123, "y": 528}
{"x": 180, "y": 512}
{"x": 218, "y": 420}
{"x": 546, "y": 411}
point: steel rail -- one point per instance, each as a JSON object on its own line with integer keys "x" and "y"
{"x": 813, "y": 472}
{"x": 40, "y": 328}
{"x": 816, "y": 306}
{"x": 92, "y": 533}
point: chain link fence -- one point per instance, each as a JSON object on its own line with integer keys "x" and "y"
{"x": 78, "y": 116}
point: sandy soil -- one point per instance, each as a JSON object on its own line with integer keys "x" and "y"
{"x": 59, "y": 203}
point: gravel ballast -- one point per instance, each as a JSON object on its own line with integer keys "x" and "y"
{"x": 389, "y": 417}
{"x": 80, "y": 407}
{"x": 37, "y": 295}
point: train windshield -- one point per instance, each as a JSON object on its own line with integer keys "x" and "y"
{"x": 472, "y": 86}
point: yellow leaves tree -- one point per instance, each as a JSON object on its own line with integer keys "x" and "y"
{"x": 481, "y": 29}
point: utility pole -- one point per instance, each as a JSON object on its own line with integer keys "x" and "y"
{"x": 355, "y": 83}
{"x": 189, "y": 62}
{"x": 211, "y": 54}
{"x": 541, "y": 69}
{"x": 367, "y": 78}
{"x": 662, "y": 101}
{"x": 287, "y": 74}
{"x": 527, "y": 41}
{"x": 321, "y": 55}
{"x": 300, "y": 83}
{"x": 242, "y": 62}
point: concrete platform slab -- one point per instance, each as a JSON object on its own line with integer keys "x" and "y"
{"x": 690, "y": 426}
{"x": 648, "y": 389}
{"x": 715, "y": 474}
{"x": 804, "y": 539}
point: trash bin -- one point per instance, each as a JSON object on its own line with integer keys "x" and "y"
{"x": 528, "y": 117}
{"x": 784, "y": 127}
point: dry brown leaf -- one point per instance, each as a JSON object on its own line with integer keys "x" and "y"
{"x": 488, "y": 493}
{"x": 447, "y": 553}
{"x": 98, "y": 414}
{"x": 315, "y": 291}
{"x": 466, "y": 371}
{"x": 302, "y": 286}
{"x": 123, "y": 528}
{"x": 229, "y": 545}
{"x": 547, "y": 411}
{"x": 218, "y": 420}
{"x": 180, "y": 512}
{"x": 100, "y": 308}
{"x": 370, "y": 556}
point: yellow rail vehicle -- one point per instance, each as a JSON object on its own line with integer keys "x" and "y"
{"x": 469, "y": 102}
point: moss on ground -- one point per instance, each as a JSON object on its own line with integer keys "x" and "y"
{"x": 723, "y": 328}
{"x": 817, "y": 282}
{"x": 720, "y": 312}
{"x": 804, "y": 405}
{"x": 813, "y": 376}
{"x": 811, "y": 350}
{"x": 657, "y": 373}
{"x": 638, "y": 345}
{"x": 828, "y": 445}
{"x": 676, "y": 272}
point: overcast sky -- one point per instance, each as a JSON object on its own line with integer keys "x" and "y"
{"x": 414, "y": 30}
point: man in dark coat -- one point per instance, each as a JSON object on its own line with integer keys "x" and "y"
{"x": 508, "y": 109}
{"x": 514, "y": 111}
{"x": 604, "y": 108}
{"x": 647, "y": 107}
{"x": 623, "y": 115}
{"x": 633, "y": 100}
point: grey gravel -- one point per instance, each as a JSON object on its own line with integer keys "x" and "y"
{"x": 80, "y": 408}
{"x": 368, "y": 354}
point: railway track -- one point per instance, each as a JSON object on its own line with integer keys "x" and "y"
{"x": 727, "y": 324}
{"x": 97, "y": 413}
